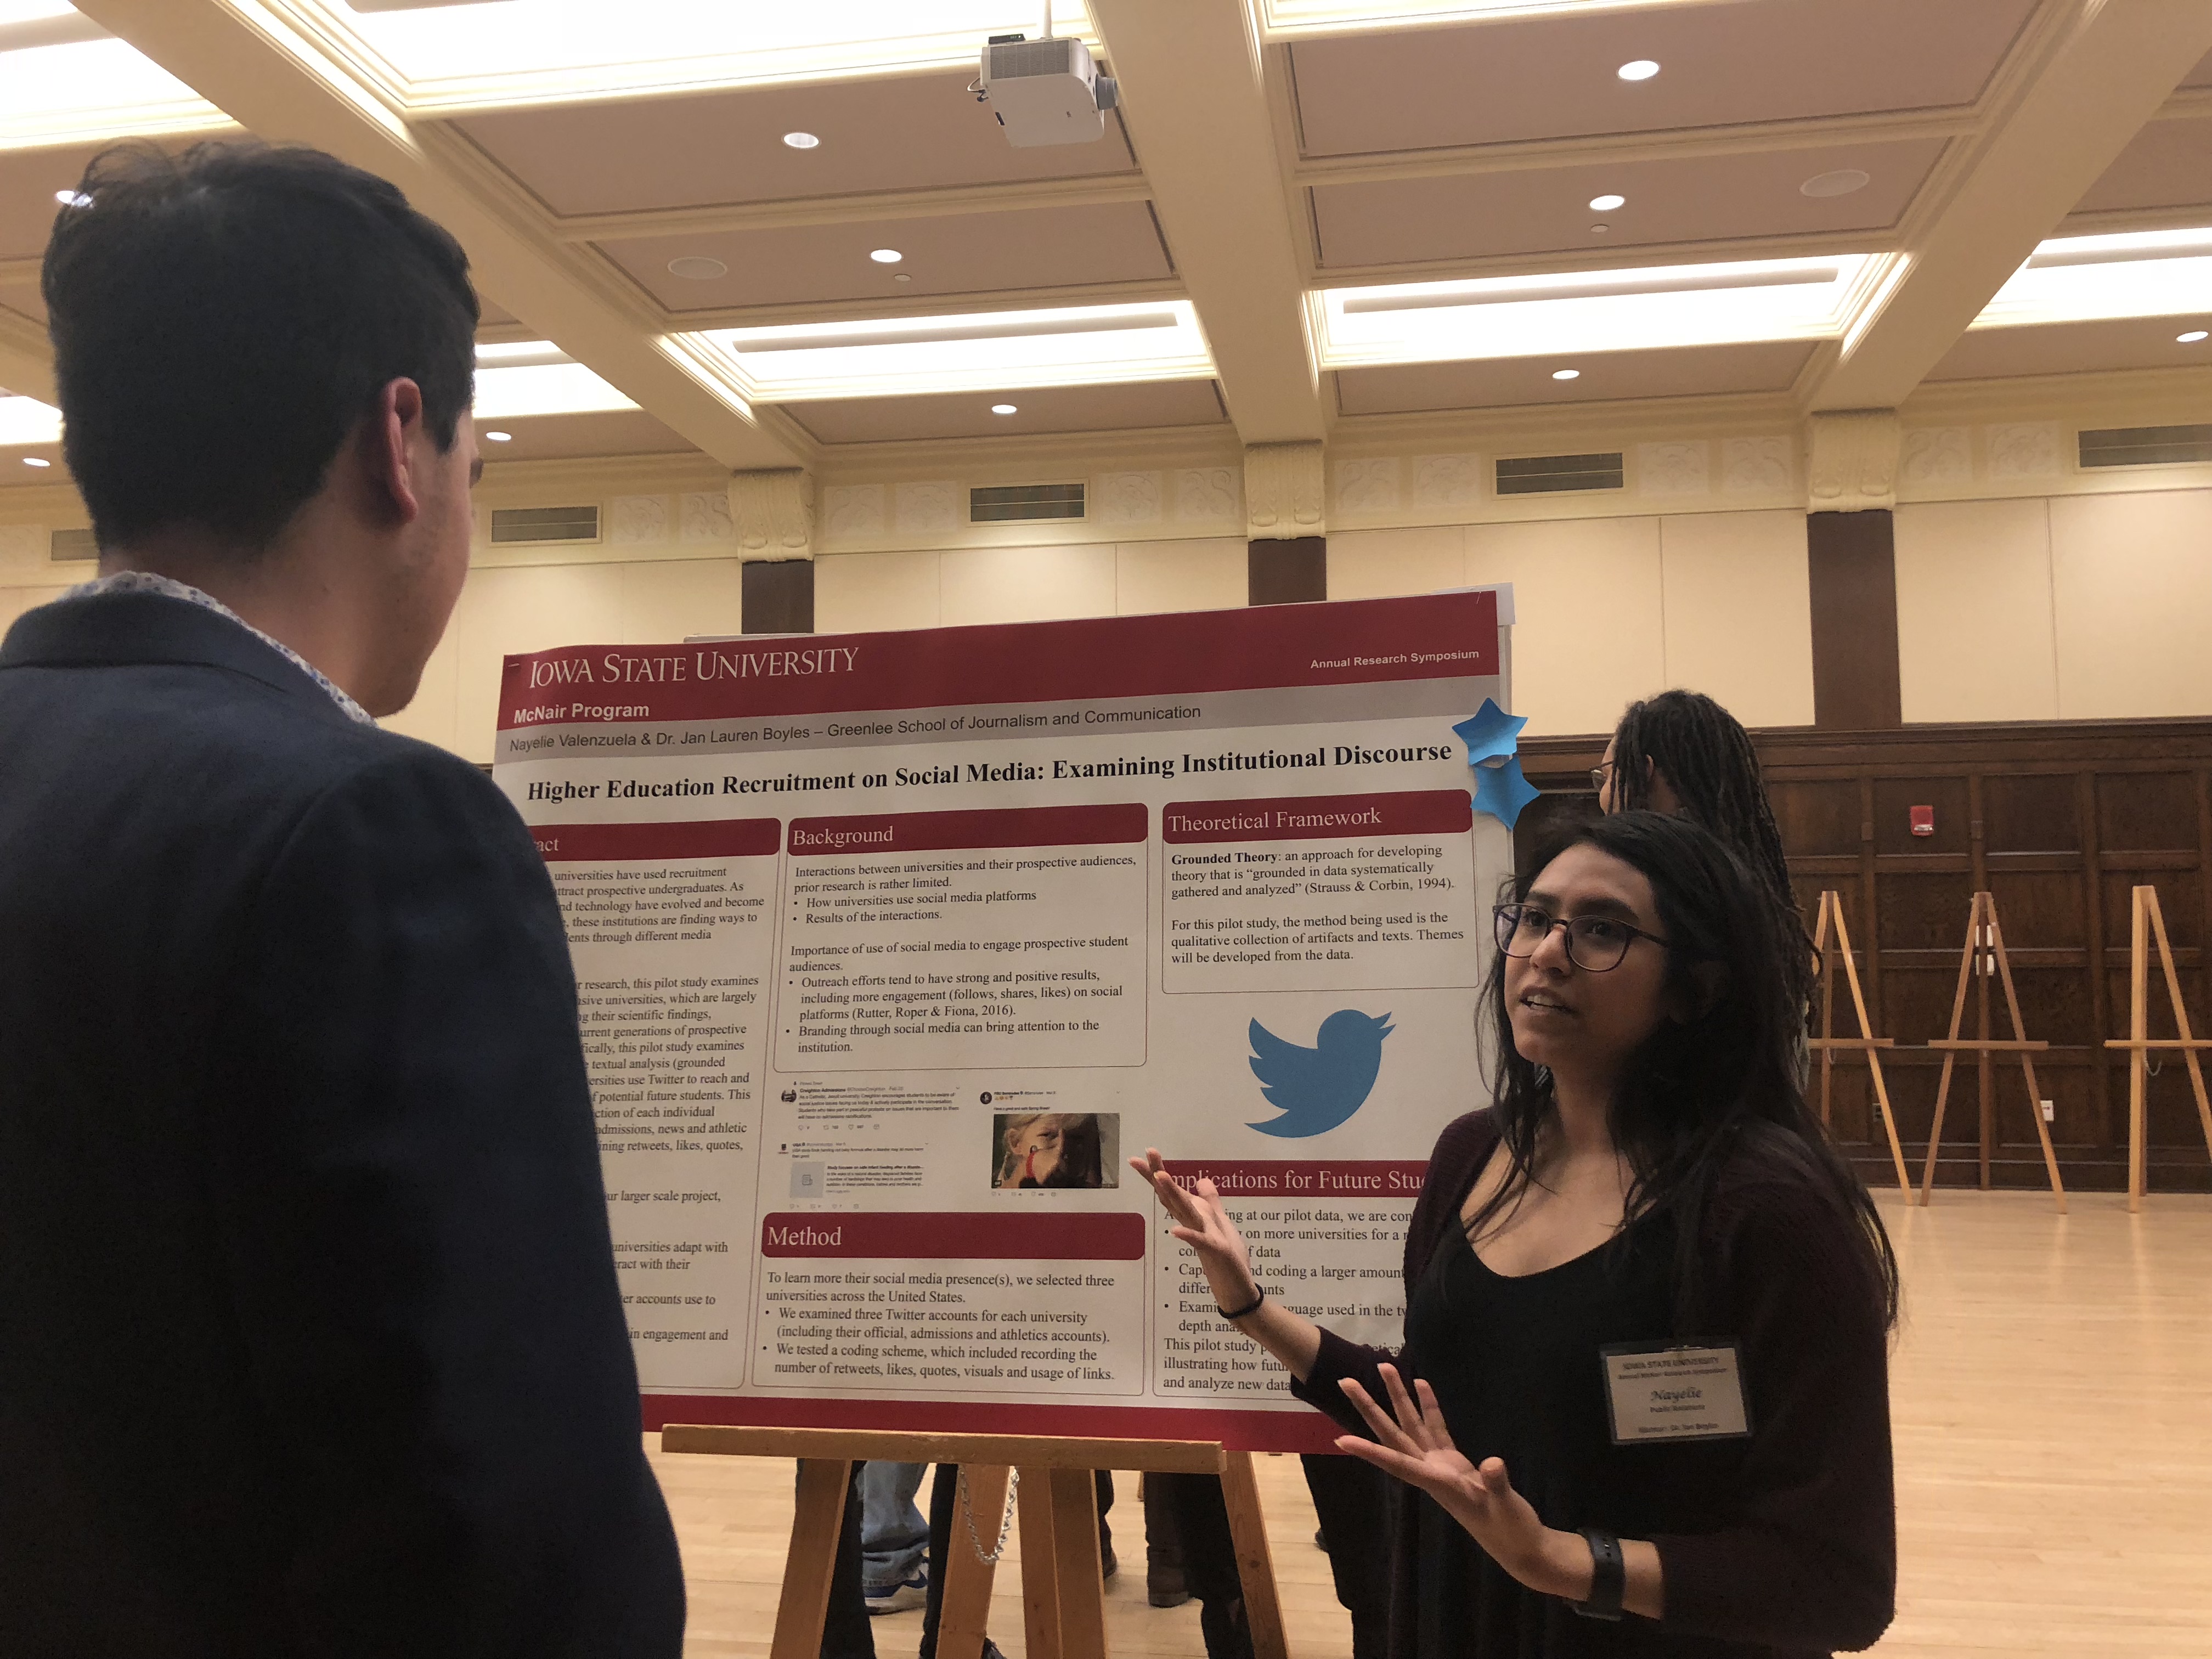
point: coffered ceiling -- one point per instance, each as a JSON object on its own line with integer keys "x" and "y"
{"x": 1306, "y": 215}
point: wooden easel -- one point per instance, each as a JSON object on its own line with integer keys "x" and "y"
{"x": 1984, "y": 952}
{"x": 1866, "y": 1042}
{"x": 1063, "y": 1595}
{"x": 2147, "y": 922}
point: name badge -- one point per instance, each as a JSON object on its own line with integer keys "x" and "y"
{"x": 1658, "y": 1393}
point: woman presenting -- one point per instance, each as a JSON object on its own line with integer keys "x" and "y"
{"x": 1647, "y": 1302}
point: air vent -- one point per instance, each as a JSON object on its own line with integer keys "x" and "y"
{"x": 2146, "y": 445}
{"x": 1009, "y": 503}
{"x": 67, "y": 546}
{"x": 544, "y": 523}
{"x": 1545, "y": 475}
{"x": 1011, "y": 55}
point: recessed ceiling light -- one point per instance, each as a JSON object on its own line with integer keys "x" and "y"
{"x": 885, "y": 256}
{"x": 1643, "y": 69}
{"x": 1841, "y": 182}
{"x": 1566, "y": 374}
{"x": 72, "y": 198}
{"x": 1607, "y": 204}
{"x": 36, "y": 460}
{"x": 1600, "y": 230}
{"x": 801, "y": 140}
{"x": 900, "y": 276}
{"x": 1004, "y": 409}
{"x": 2190, "y": 339}
{"x": 698, "y": 267}
{"x": 498, "y": 437}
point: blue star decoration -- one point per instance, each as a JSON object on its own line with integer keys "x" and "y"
{"x": 1502, "y": 792}
{"x": 1489, "y": 733}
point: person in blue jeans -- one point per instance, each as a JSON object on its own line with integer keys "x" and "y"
{"x": 845, "y": 1631}
{"x": 894, "y": 1538}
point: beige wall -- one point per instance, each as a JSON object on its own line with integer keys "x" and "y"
{"x": 508, "y": 609}
{"x": 1974, "y": 623}
{"x": 2071, "y": 607}
{"x": 2131, "y": 578}
{"x": 2066, "y": 607}
{"x": 1610, "y": 609}
{"x": 859, "y": 593}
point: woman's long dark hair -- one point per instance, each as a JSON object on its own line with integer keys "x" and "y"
{"x": 1711, "y": 1097}
{"x": 1706, "y": 757}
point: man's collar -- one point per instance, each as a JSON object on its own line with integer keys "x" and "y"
{"x": 148, "y": 582}
{"x": 139, "y": 626}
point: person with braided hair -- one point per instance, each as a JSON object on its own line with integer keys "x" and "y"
{"x": 1681, "y": 752}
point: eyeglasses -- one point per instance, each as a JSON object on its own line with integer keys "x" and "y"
{"x": 1594, "y": 944}
{"x": 1597, "y": 775}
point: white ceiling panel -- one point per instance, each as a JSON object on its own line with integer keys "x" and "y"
{"x": 1446, "y": 151}
{"x": 566, "y": 437}
{"x": 1139, "y": 407}
{"x": 1669, "y": 200}
{"x": 2078, "y": 347}
{"x": 728, "y": 147}
{"x": 1505, "y": 383}
{"x": 951, "y": 254}
{"x": 2168, "y": 164}
{"x": 1722, "y": 63}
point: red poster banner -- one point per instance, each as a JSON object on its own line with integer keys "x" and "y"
{"x": 948, "y": 832}
{"x": 1437, "y": 636}
{"x": 955, "y": 1235}
{"x": 1318, "y": 817}
{"x": 714, "y": 838}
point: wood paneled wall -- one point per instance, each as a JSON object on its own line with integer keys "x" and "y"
{"x": 2058, "y": 821}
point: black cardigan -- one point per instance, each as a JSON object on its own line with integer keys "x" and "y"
{"x": 1809, "y": 1563}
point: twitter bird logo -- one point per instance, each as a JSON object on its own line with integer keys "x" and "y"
{"x": 1318, "y": 1088}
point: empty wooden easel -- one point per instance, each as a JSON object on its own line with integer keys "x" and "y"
{"x": 2147, "y": 923}
{"x": 1985, "y": 955}
{"x": 1866, "y": 1042}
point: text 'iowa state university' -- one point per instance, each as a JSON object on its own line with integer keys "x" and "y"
{"x": 682, "y": 668}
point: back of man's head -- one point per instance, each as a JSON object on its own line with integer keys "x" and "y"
{"x": 222, "y": 318}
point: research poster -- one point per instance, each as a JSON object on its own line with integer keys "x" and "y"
{"x": 892, "y": 947}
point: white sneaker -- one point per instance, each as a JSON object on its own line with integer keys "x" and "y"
{"x": 900, "y": 1597}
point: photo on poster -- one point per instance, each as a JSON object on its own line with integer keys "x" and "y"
{"x": 1081, "y": 1150}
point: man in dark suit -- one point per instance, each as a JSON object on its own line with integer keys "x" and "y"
{"x": 310, "y": 1337}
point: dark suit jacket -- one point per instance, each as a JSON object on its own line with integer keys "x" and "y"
{"x": 310, "y": 1338}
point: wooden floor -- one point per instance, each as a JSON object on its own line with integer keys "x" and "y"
{"x": 2052, "y": 1396}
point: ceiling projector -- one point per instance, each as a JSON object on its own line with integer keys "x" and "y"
{"x": 1045, "y": 92}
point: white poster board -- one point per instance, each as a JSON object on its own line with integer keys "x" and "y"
{"x": 891, "y": 946}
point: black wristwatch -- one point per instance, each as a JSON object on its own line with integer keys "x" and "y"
{"x": 1609, "y": 1575}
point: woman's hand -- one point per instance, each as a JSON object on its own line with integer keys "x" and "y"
{"x": 1417, "y": 1447}
{"x": 1202, "y": 1224}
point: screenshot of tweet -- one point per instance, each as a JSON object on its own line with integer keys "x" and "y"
{"x": 1319, "y": 893}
